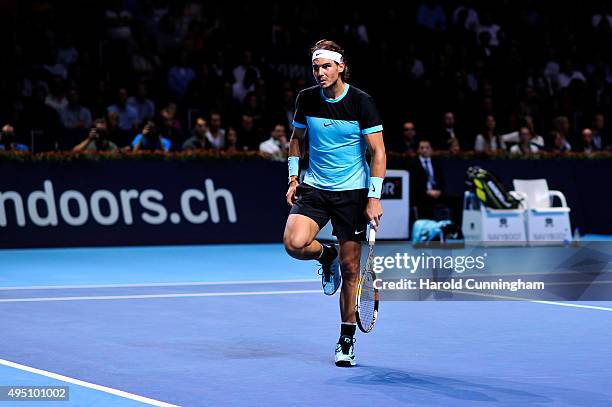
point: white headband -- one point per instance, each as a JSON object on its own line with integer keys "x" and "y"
{"x": 325, "y": 53}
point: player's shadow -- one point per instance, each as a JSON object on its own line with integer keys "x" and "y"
{"x": 443, "y": 386}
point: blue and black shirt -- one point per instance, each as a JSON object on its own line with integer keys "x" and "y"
{"x": 336, "y": 129}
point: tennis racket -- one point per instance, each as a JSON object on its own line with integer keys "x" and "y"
{"x": 367, "y": 295}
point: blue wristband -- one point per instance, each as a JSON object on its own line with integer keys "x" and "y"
{"x": 294, "y": 166}
{"x": 375, "y": 188}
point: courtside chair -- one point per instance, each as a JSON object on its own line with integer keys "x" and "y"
{"x": 545, "y": 223}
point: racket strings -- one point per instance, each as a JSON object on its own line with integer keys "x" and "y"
{"x": 367, "y": 293}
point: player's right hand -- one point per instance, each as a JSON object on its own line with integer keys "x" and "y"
{"x": 291, "y": 193}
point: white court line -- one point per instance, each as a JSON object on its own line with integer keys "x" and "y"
{"x": 145, "y": 296}
{"x": 82, "y": 383}
{"x": 243, "y": 293}
{"x": 190, "y": 283}
{"x": 567, "y": 304}
{"x": 503, "y": 297}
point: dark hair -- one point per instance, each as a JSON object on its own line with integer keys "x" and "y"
{"x": 153, "y": 129}
{"x": 100, "y": 120}
{"x": 485, "y": 129}
{"x": 332, "y": 46}
{"x": 531, "y": 135}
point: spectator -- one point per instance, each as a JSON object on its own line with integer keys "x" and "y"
{"x": 552, "y": 69}
{"x": 568, "y": 74}
{"x": 170, "y": 127}
{"x": 488, "y": 141}
{"x": 587, "y": 146}
{"x": 100, "y": 98}
{"x": 358, "y": 30}
{"x": 560, "y": 143}
{"x": 415, "y": 67}
{"x": 448, "y": 132}
{"x": 487, "y": 25}
{"x": 215, "y": 134}
{"x": 53, "y": 68}
{"x": 277, "y": 145}
{"x": 143, "y": 42}
{"x": 598, "y": 19}
{"x": 426, "y": 182}
{"x": 198, "y": 140}
{"x": 67, "y": 54}
{"x": 408, "y": 142}
{"x": 536, "y": 139}
{"x": 600, "y": 135}
{"x": 248, "y": 138}
{"x": 471, "y": 21}
{"x": 240, "y": 71}
{"x": 524, "y": 146}
{"x": 231, "y": 145}
{"x": 431, "y": 15}
{"x": 200, "y": 90}
{"x": 513, "y": 137}
{"x": 74, "y": 115}
{"x": 56, "y": 98}
{"x": 241, "y": 89}
{"x": 226, "y": 104}
{"x": 218, "y": 70}
{"x": 485, "y": 49}
{"x": 253, "y": 107}
{"x": 459, "y": 32}
{"x": 127, "y": 115}
{"x": 453, "y": 147}
{"x": 150, "y": 139}
{"x": 145, "y": 60}
{"x": 112, "y": 127}
{"x": 143, "y": 105}
{"x": 180, "y": 75}
{"x": 561, "y": 124}
{"x": 97, "y": 139}
{"x": 118, "y": 21}
{"x": 8, "y": 140}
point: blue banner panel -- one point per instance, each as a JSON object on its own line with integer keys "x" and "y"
{"x": 100, "y": 203}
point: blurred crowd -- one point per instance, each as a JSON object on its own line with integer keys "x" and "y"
{"x": 519, "y": 77}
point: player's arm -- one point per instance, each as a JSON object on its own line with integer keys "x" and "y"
{"x": 295, "y": 153}
{"x": 378, "y": 167}
{"x": 296, "y": 140}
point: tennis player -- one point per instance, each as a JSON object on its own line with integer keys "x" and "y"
{"x": 342, "y": 121}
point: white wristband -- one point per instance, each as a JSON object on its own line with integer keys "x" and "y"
{"x": 375, "y": 188}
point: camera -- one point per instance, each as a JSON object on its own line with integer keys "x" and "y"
{"x": 101, "y": 134}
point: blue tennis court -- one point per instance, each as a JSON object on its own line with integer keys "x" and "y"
{"x": 246, "y": 325}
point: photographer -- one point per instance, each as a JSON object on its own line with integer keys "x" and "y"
{"x": 7, "y": 140}
{"x": 97, "y": 139}
{"x": 150, "y": 139}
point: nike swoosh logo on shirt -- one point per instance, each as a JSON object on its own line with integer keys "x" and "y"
{"x": 327, "y": 124}
{"x": 358, "y": 232}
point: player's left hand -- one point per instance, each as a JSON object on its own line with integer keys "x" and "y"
{"x": 374, "y": 211}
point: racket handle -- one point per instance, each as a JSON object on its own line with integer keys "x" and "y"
{"x": 371, "y": 232}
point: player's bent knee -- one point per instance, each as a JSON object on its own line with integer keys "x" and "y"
{"x": 294, "y": 244}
